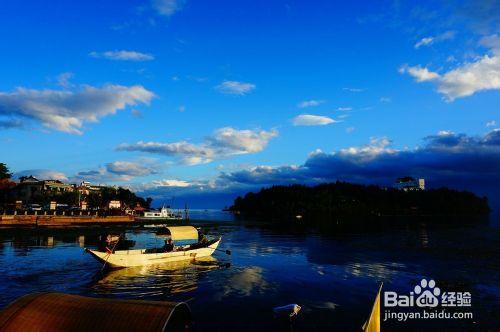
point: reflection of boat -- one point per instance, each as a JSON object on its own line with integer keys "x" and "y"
{"x": 164, "y": 214}
{"x": 141, "y": 257}
{"x": 179, "y": 269}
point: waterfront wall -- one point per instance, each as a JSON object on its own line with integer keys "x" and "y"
{"x": 60, "y": 221}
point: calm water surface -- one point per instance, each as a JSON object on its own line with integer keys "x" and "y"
{"x": 334, "y": 278}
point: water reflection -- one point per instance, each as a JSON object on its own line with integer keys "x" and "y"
{"x": 334, "y": 278}
{"x": 155, "y": 280}
{"x": 246, "y": 282}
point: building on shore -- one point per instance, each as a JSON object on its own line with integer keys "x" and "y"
{"x": 30, "y": 188}
{"x": 408, "y": 183}
{"x": 86, "y": 188}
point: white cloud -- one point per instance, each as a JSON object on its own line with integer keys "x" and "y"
{"x": 467, "y": 79}
{"x": 427, "y": 41}
{"x": 234, "y": 141}
{"x": 171, "y": 183}
{"x": 344, "y": 109}
{"x": 353, "y": 89}
{"x": 424, "y": 42}
{"x": 224, "y": 142}
{"x": 385, "y": 99}
{"x": 129, "y": 168}
{"x": 420, "y": 74}
{"x": 123, "y": 55}
{"x": 167, "y": 7}
{"x": 349, "y": 130}
{"x": 310, "y": 103}
{"x": 470, "y": 78}
{"x": 312, "y": 120}
{"x": 118, "y": 171}
{"x": 67, "y": 110}
{"x": 192, "y": 154}
{"x": 491, "y": 42}
{"x": 235, "y": 87}
{"x": 369, "y": 151}
{"x": 63, "y": 79}
{"x": 42, "y": 174}
{"x": 491, "y": 123}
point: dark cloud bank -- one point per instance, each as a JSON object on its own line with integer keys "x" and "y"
{"x": 447, "y": 159}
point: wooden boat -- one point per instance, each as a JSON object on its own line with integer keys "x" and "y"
{"x": 142, "y": 257}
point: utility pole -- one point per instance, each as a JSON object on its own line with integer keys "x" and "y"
{"x": 186, "y": 212}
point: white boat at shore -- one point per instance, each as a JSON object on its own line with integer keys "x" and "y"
{"x": 164, "y": 213}
{"x": 142, "y": 257}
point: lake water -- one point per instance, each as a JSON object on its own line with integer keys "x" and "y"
{"x": 334, "y": 278}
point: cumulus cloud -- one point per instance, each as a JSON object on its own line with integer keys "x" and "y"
{"x": 491, "y": 123}
{"x": 231, "y": 141}
{"x": 491, "y": 42}
{"x": 468, "y": 78}
{"x": 117, "y": 171}
{"x": 190, "y": 154}
{"x": 310, "y": 103}
{"x": 447, "y": 158}
{"x": 235, "y": 88}
{"x": 311, "y": 120}
{"x": 484, "y": 74}
{"x": 167, "y": 7}
{"x": 420, "y": 74}
{"x": 223, "y": 142}
{"x": 171, "y": 183}
{"x": 193, "y": 192}
{"x": 122, "y": 55}
{"x": 129, "y": 168}
{"x": 267, "y": 175}
{"x": 68, "y": 110}
{"x": 42, "y": 174}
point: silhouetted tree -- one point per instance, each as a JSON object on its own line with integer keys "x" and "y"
{"x": 4, "y": 172}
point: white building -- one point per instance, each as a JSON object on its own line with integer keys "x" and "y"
{"x": 408, "y": 183}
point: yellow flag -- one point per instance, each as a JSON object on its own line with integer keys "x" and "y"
{"x": 373, "y": 322}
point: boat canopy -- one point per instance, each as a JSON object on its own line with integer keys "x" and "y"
{"x": 64, "y": 312}
{"x": 182, "y": 233}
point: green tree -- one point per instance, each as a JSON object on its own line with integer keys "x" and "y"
{"x": 4, "y": 172}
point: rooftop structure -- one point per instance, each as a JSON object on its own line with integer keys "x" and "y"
{"x": 409, "y": 183}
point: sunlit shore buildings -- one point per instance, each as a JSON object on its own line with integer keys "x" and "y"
{"x": 33, "y": 194}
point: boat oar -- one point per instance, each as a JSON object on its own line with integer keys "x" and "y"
{"x": 228, "y": 252}
{"x": 109, "y": 254}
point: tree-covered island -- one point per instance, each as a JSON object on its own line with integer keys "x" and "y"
{"x": 344, "y": 200}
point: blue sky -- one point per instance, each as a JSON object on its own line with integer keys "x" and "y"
{"x": 202, "y": 99}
